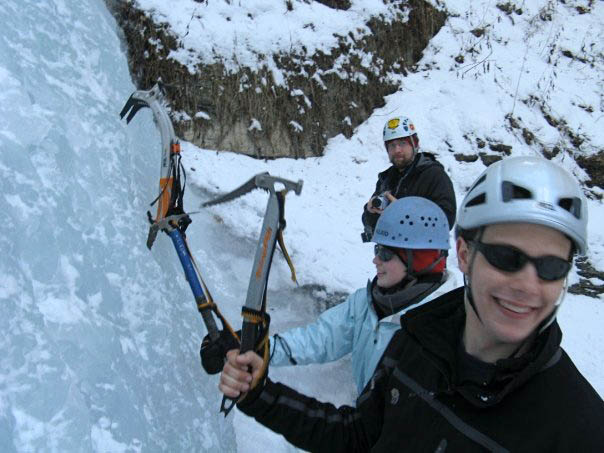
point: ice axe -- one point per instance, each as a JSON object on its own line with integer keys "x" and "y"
{"x": 255, "y": 320}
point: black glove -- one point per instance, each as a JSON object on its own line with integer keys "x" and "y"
{"x": 213, "y": 353}
{"x": 367, "y": 234}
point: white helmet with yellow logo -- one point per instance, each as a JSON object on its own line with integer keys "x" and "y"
{"x": 398, "y": 127}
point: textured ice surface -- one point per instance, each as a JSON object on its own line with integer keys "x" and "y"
{"x": 99, "y": 336}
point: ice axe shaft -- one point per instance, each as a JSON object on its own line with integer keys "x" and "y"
{"x": 272, "y": 226}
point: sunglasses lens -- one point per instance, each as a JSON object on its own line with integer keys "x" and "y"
{"x": 505, "y": 258}
{"x": 552, "y": 268}
{"x": 383, "y": 253}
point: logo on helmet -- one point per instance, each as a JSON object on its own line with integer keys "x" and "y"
{"x": 381, "y": 232}
{"x": 393, "y": 123}
{"x": 545, "y": 205}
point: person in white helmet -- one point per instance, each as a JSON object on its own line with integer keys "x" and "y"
{"x": 480, "y": 368}
{"x": 412, "y": 173}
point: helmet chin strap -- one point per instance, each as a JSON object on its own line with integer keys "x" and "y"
{"x": 550, "y": 319}
{"x": 409, "y": 263}
{"x": 415, "y": 148}
{"x": 545, "y": 323}
{"x": 467, "y": 278}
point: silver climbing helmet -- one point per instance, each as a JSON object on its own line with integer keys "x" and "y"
{"x": 527, "y": 190}
{"x": 413, "y": 223}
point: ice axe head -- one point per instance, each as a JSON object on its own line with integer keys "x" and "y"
{"x": 260, "y": 181}
{"x": 266, "y": 181}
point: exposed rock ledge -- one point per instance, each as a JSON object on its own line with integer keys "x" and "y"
{"x": 246, "y": 112}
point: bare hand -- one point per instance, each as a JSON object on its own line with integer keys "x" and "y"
{"x": 238, "y": 372}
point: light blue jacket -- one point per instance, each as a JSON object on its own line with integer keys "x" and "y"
{"x": 350, "y": 327}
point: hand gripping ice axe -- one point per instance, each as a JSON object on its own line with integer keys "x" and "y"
{"x": 171, "y": 217}
{"x": 254, "y": 331}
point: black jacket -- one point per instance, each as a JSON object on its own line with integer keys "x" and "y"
{"x": 420, "y": 400}
{"x": 425, "y": 177}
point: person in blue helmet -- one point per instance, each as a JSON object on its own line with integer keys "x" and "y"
{"x": 411, "y": 242}
{"x": 479, "y": 368}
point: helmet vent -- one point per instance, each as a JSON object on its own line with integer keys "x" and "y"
{"x": 480, "y": 199}
{"x": 478, "y": 182}
{"x": 572, "y": 205}
{"x": 510, "y": 191}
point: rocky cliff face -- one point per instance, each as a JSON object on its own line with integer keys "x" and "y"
{"x": 320, "y": 96}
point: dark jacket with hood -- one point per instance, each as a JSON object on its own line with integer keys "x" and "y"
{"x": 424, "y": 177}
{"x": 428, "y": 395}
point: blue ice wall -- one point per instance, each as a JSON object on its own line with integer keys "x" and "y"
{"x": 99, "y": 337}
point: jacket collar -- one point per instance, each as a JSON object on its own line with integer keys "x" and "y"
{"x": 438, "y": 325}
{"x": 406, "y": 294}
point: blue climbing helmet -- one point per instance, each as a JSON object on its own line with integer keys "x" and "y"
{"x": 413, "y": 223}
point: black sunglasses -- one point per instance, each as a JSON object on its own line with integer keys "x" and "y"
{"x": 384, "y": 253}
{"x": 510, "y": 259}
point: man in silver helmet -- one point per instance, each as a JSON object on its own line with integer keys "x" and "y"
{"x": 479, "y": 368}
